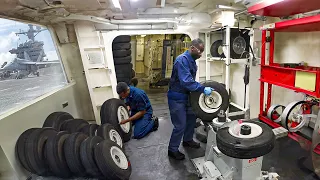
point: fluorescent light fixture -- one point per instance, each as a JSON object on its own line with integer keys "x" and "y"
{"x": 143, "y": 35}
{"x": 116, "y": 4}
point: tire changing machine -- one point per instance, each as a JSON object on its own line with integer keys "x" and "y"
{"x": 235, "y": 151}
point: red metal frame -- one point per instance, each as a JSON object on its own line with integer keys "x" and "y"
{"x": 274, "y": 74}
{"x": 279, "y": 8}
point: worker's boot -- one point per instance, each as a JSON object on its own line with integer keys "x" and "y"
{"x": 191, "y": 144}
{"x": 156, "y": 123}
{"x": 176, "y": 155}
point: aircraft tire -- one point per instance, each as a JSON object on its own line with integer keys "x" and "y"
{"x": 35, "y": 146}
{"x": 112, "y": 161}
{"x": 121, "y": 46}
{"x": 122, "y": 60}
{"x": 121, "y": 53}
{"x": 122, "y": 39}
{"x": 90, "y": 129}
{"x": 56, "y": 159}
{"x": 73, "y": 125}
{"x": 109, "y": 114}
{"x": 72, "y": 153}
{"x": 56, "y": 119}
{"x": 107, "y": 131}
{"x": 201, "y": 134}
{"x": 87, "y": 157}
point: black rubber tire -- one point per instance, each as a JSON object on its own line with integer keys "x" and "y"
{"x": 122, "y": 60}
{"x": 246, "y": 148}
{"x": 194, "y": 100}
{"x": 214, "y": 49}
{"x": 202, "y": 134}
{"x": 90, "y": 129}
{"x": 55, "y": 155}
{"x": 133, "y": 73}
{"x": 87, "y": 156}
{"x": 106, "y": 164}
{"x": 73, "y": 125}
{"x": 103, "y": 131}
{"x": 34, "y": 151}
{"x": 124, "y": 68}
{"x": 126, "y": 80}
{"x": 71, "y": 149}
{"x": 123, "y": 75}
{"x": 121, "y": 53}
{"x": 56, "y": 119}
{"x": 109, "y": 114}
{"x": 121, "y": 46}
{"x": 224, "y": 85}
{"x": 122, "y": 39}
{"x": 20, "y": 149}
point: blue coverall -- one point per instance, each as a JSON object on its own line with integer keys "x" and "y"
{"x": 139, "y": 101}
{"x": 182, "y": 82}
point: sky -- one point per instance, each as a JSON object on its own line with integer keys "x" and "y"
{"x": 9, "y": 40}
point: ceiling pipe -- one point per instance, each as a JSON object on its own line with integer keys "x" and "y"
{"x": 106, "y": 27}
{"x": 223, "y": 7}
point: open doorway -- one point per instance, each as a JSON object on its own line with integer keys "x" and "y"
{"x": 146, "y": 61}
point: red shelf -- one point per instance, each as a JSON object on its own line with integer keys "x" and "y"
{"x": 306, "y": 24}
{"x": 285, "y": 77}
{"x": 279, "y": 8}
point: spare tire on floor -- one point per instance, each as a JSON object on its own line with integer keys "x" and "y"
{"x": 256, "y": 142}
{"x": 121, "y": 53}
{"x": 74, "y": 125}
{"x": 122, "y": 39}
{"x": 56, "y": 158}
{"x": 87, "y": 156}
{"x": 202, "y": 134}
{"x": 207, "y": 107}
{"x": 121, "y": 46}
{"x": 112, "y": 161}
{"x": 114, "y": 111}
{"x": 34, "y": 150}
{"x": 56, "y": 119}
{"x": 107, "y": 131}
{"x": 90, "y": 129}
{"x": 122, "y": 60}
{"x": 20, "y": 149}
{"x": 71, "y": 149}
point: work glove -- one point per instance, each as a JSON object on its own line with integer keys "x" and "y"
{"x": 208, "y": 90}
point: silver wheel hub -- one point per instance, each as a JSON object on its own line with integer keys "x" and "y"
{"x": 119, "y": 158}
{"x": 211, "y": 103}
{"x": 123, "y": 115}
{"x": 256, "y": 130}
{"x": 115, "y": 137}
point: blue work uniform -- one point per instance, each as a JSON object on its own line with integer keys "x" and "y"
{"x": 182, "y": 82}
{"x": 139, "y": 101}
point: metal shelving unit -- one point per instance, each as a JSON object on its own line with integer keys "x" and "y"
{"x": 275, "y": 74}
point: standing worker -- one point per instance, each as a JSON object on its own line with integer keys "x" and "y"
{"x": 141, "y": 110}
{"x": 183, "y": 82}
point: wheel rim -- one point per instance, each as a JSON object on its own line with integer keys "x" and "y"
{"x": 119, "y": 158}
{"x": 210, "y": 104}
{"x": 115, "y": 137}
{"x": 256, "y": 130}
{"x": 275, "y": 112}
{"x": 292, "y": 116}
{"x": 123, "y": 115}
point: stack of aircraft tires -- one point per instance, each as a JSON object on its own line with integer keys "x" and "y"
{"x": 121, "y": 48}
{"x": 66, "y": 147}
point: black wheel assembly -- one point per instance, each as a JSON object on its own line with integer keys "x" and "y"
{"x": 73, "y": 125}
{"x": 122, "y": 60}
{"x": 112, "y": 161}
{"x": 107, "y": 131}
{"x": 114, "y": 111}
{"x": 34, "y": 150}
{"x": 122, "y": 39}
{"x": 87, "y": 156}
{"x": 56, "y": 119}
{"x": 55, "y": 155}
{"x": 21, "y": 148}
{"x": 216, "y": 49}
{"x": 72, "y": 153}
{"x": 90, "y": 129}
{"x": 121, "y": 46}
{"x": 201, "y": 134}
{"x": 208, "y": 107}
{"x": 245, "y": 140}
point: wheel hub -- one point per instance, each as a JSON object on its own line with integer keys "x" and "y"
{"x": 123, "y": 115}
{"x": 245, "y": 130}
{"x": 211, "y": 103}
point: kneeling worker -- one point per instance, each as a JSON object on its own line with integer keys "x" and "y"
{"x": 141, "y": 110}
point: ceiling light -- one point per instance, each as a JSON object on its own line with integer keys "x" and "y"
{"x": 116, "y": 4}
{"x": 175, "y": 10}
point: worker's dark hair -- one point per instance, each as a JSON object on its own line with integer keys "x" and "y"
{"x": 122, "y": 87}
{"x": 197, "y": 42}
